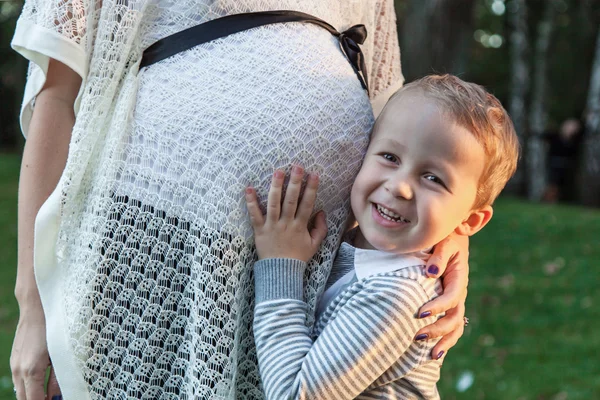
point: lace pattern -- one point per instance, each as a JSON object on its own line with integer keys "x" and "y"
{"x": 155, "y": 247}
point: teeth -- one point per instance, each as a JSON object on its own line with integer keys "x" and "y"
{"x": 390, "y": 215}
{"x": 388, "y": 212}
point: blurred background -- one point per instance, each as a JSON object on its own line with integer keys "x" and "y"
{"x": 533, "y": 294}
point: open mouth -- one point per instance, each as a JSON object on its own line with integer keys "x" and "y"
{"x": 390, "y": 215}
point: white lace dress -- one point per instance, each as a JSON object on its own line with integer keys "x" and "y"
{"x": 143, "y": 252}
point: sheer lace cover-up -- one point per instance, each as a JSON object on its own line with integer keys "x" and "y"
{"x": 144, "y": 251}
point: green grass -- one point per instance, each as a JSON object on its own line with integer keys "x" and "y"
{"x": 533, "y": 302}
{"x": 533, "y": 305}
{"x": 9, "y": 172}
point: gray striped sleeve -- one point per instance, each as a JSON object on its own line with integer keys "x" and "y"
{"x": 279, "y": 278}
{"x": 368, "y": 334}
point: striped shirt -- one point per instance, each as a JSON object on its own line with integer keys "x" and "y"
{"x": 362, "y": 344}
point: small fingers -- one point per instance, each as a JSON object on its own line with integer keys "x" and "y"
{"x": 256, "y": 216}
{"x": 292, "y": 193}
{"x": 274, "y": 199}
{"x": 307, "y": 204}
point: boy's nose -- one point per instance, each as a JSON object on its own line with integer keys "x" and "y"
{"x": 400, "y": 187}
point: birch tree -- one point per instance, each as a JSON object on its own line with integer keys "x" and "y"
{"x": 517, "y": 14}
{"x": 536, "y": 156}
{"x": 591, "y": 181}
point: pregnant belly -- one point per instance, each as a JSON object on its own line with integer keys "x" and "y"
{"x": 224, "y": 115}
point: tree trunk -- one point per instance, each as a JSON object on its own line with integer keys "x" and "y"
{"x": 536, "y": 158}
{"x": 452, "y": 31}
{"x": 415, "y": 28}
{"x": 517, "y": 14}
{"x": 591, "y": 157}
{"x": 434, "y": 36}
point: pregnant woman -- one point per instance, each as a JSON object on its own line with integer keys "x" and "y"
{"x": 133, "y": 178}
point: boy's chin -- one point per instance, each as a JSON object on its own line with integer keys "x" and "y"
{"x": 377, "y": 243}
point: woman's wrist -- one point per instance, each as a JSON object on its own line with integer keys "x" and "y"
{"x": 28, "y": 300}
{"x": 27, "y": 294}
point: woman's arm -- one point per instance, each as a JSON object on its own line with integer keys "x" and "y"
{"x": 44, "y": 159}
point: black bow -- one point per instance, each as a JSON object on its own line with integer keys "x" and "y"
{"x": 349, "y": 42}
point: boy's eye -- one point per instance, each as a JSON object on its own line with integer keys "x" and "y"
{"x": 390, "y": 157}
{"x": 434, "y": 179}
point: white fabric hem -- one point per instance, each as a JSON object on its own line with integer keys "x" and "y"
{"x": 38, "y": 45}
{"x": 381, "y": 99}
{"x": 49, "y": 281}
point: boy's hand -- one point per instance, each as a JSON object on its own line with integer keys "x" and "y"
{"x": 283, "y": 232}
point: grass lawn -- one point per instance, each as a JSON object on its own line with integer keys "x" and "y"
{"x": 9, "y": 172}
{"x": 533, "y": 303}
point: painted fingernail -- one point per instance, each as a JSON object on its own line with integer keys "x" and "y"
{"x": 297, "y": 169}
{"x": 433, "y": 269}
{"x": 57, "y": 397}
{"x": 249, "y": 190}
{"x": 421, "y": 336}
{"x": 439, "y": 355}
{"x": 278, "y": 174}
{"x": 425, "y": 314}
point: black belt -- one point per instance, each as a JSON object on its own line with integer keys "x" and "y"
{"x": 221, "y": 27}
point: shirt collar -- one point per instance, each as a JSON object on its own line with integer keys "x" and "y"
{"x": 372, "y": 262}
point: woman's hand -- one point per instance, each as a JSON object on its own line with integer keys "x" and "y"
{"x": 29, "y": 358}
{"x": 283, "y": 232}
{"x": 450, "y": 261}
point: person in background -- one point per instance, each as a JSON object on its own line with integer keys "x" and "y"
{"x": 563, "y": 152}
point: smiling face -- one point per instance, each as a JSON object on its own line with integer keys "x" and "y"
{"x": 419, "y": 178}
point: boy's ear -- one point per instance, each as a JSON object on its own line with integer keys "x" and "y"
{"x": 475, "y": 221}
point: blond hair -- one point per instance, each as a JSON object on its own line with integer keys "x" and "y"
{"x": 482, "y": 114}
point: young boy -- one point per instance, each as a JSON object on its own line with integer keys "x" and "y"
{"x": 440, "y": 153}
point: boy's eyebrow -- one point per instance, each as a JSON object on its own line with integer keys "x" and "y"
{"x": 392, "y": 142}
